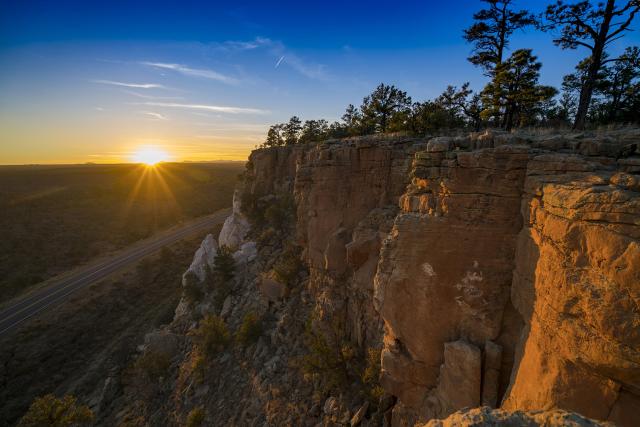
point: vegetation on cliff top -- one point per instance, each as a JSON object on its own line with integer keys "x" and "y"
{"x": 602, "y": 90}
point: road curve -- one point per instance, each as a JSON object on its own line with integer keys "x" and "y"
{"x": 58, "y": 291}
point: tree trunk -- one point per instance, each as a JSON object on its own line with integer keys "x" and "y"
{"x": 586, "y": 92}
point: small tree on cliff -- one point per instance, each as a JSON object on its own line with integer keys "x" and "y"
{"x": 594, "y": 27}
{"x": 386, "y": 109}
{"x": 491, "y": 31}
{"x": 224, "y": 267}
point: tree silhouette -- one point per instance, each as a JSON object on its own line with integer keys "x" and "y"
{"x": 386, "y": 106}
{"x": 517, "y": 92}
{"x": 491, "y": 31}
{"x": 584, "y": 24}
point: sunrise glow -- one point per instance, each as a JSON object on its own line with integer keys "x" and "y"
{"x": 150, "y": 156}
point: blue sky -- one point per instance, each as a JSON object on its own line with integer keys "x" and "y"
{"x": 91, "y": 81}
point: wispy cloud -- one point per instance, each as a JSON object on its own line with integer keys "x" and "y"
{"x": 194, "y": 72}
{"x": 153, "y": 115}
{"x": 278, "y": 50}
{"x": 204, "y": 107}
{"x": 143, "y": 96}
{"x": 132, "y": 85}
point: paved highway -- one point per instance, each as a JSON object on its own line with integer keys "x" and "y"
{"x": 58, "y": 291}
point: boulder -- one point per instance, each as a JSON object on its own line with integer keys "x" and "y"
{"x": 235, "y": 227}
{"x": 203, "y": 257}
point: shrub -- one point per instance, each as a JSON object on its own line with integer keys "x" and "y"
{"x": 153, "y": 364}
{"x": 222, "y": 275}
{"x": 288, "y": 265}
{"x": 50, "y": 411}
{"x": 371, "y": 375}
{"x": 281, "y": 212}
{"x": 198, "y": 367}
{"x": 328, "y": 357}
{"x": 192, "y": 290}
{"x": 212, "y": 336}
{"x": 195, "y": 417}
{"x": 267, "y": 237}
{"x": 250, "y": 330}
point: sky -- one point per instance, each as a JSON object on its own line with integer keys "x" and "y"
{"x": 97, "y": 81}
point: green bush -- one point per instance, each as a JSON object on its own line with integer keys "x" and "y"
{"x": 50, "y": 411}
{"x": 211, "y": 336}
{"x": 250, "y": 330}
{"x": 195, "y": 417}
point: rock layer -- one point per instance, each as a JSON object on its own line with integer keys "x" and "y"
{"x": 553, "y": 235}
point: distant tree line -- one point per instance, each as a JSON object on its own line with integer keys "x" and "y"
{"x": 601, "y": 90}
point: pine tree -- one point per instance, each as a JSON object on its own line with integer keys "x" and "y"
{"x": 491, "y": 31}
{"x": 514, "y": 94}
{"x": 291, "y": 130}
{"x": 385, "y": 108}
{"x": 592, "y": 26}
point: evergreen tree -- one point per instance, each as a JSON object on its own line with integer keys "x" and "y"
{"x": 291, "y": 130}
{"x": 491, "y": 31}
{"x": 621, "y": 88}
{"x": 592, "y": 26}
{"x": 386, "y": 109}
{"x": 514, "y": 94}
{"x": 274, "y": 136}
{"x": 427, "y": 117}
{"x": 352, "y": 119}
{"x": 314, "y": 130}
{"x": 224, "y": 265}
{"x": 462, "y": 102}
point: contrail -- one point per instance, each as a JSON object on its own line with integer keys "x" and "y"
{"x": 279, "y": 61}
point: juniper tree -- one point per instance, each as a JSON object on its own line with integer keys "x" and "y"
{"x": 594, "y": 27}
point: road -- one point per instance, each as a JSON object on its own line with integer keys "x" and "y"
{"x": 57, "y": 291}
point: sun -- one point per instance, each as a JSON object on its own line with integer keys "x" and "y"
{"x": 150, "y": 156}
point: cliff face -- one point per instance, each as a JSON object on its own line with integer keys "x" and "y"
{"x": 509, "y": 276}
{"x": 398, "y": 281}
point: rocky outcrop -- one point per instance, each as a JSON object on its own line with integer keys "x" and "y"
{"x": 500, "y": 241}
{"x": 203, "y": 258}
{"x": 529, "y": 257}
{"x": 577, "y": 285}
{"x": 495, "y": 417}
{"x": 492, "y": 269}
{"x": 235, "y": 227}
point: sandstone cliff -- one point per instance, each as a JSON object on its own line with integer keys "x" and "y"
{"x": 510, "y": 276}
{"x": 400, "y": 280}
